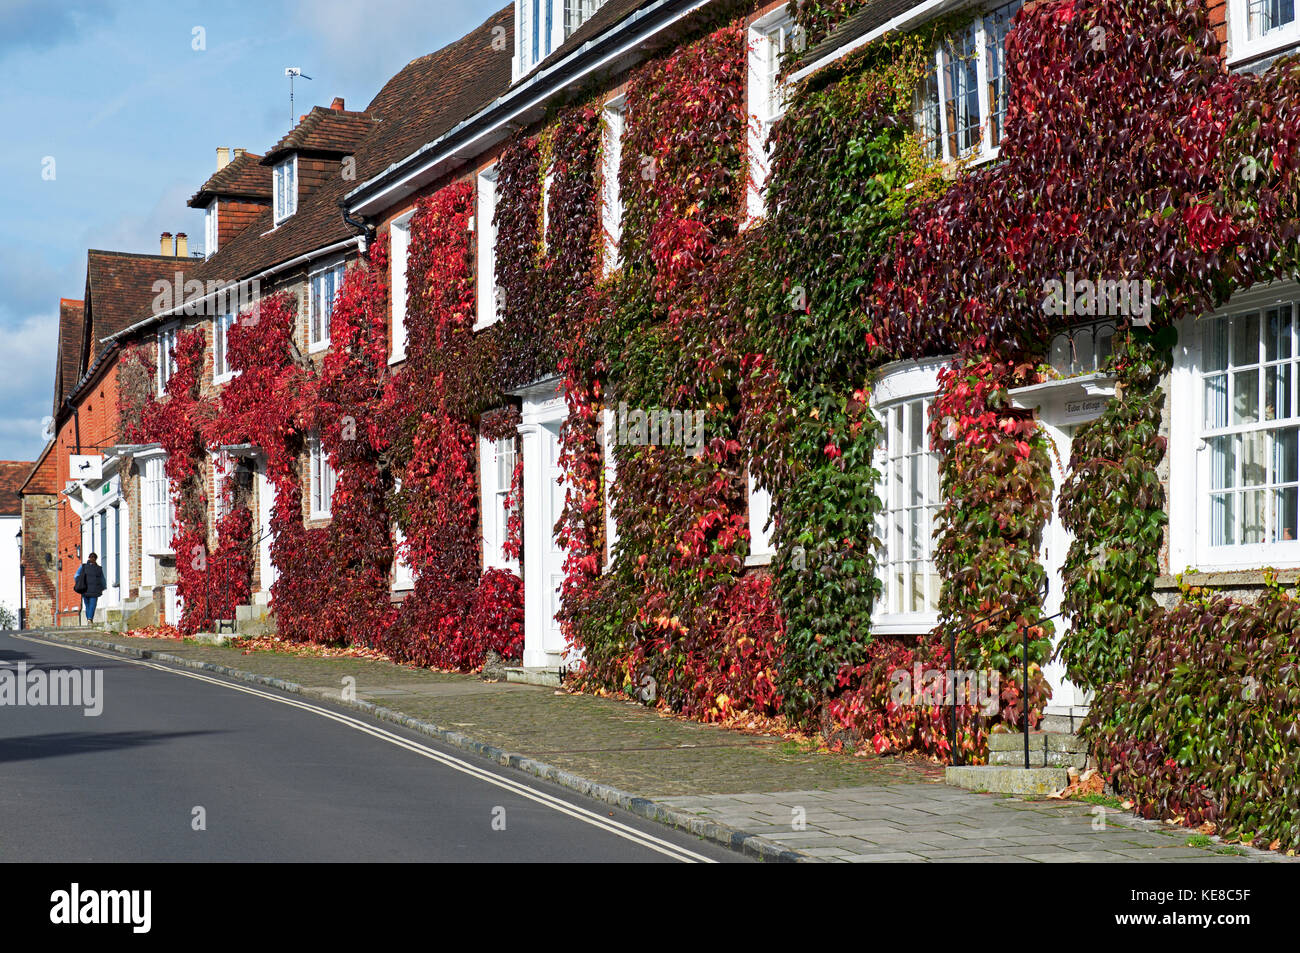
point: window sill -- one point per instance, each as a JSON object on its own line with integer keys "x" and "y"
{"x": 396, "y": 358}
{"x": 1226, "y": 578}
{"x": 921, "y": 623}
{"x": 759, "y": 559}
{"x": 1263, "y": 49}
{"x": 318, "y": 347}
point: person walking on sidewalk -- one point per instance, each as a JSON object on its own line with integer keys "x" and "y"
{"x": 89, "y": 582}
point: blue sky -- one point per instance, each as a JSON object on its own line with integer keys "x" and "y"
{"x": 131, "y": 113}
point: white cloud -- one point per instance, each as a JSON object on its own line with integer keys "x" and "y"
{"x": 362, "y": 40}
{"x": 139, "y": 233}
{"x": 27, "y": 383}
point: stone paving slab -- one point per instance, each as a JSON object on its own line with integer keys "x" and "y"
{"x": 827, "y": 807}
{"x": 993, "y": 828}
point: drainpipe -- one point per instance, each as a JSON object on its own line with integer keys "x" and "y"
{"x": 367, "y": 230}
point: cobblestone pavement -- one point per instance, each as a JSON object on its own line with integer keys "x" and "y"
{"x": 616, "y": 742}
{"x": 855, "y": 809}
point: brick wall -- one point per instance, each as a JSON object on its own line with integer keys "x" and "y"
{"x": 235, "y": 215}
{"x": 93, "y": 427}
{"x": 40, "y": 543}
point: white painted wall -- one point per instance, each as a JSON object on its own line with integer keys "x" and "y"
{"x": 10, "y": 595}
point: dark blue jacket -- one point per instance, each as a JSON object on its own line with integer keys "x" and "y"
{"x": 94, "y": 576}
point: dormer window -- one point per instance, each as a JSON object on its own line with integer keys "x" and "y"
{"x": 961, "y": 102}
{"x": 770, "y": 37}
{"x": 210, "y": 229}
{"x": 286, "y": 189}
{"x": 544, "y": 25}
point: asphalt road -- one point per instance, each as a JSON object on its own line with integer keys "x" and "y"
{"x": 277, "y": 778}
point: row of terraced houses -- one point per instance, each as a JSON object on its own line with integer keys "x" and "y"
{"x": 295, "y": 215}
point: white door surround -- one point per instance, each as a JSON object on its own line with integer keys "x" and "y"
{"x": 541, "y": 416}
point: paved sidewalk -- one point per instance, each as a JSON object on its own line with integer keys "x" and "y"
{"x": 769, "y": 796}
{"x": 914, "y": 823}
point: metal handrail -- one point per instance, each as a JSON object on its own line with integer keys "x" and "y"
{"x": 211, "y": 559}
{"x": 952, "y": 661}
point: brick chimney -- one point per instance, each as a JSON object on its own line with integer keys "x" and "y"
{"x": 182, "y": 245}
{"x": 337, "y": 104}
{"x": 166, "y": 250}
{"x": 239, "y": 152}
{"x": 223, "y": 157}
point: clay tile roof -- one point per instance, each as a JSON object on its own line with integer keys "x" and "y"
{"x": 13, "y": 474}
{"x": 119, "y": 292}
{"x": 429, "y": 96}
{"x": 41, "y": 477}
{"x": 334, "y": 131}
{"x": 243, "y": 176}
{"x": 67, "y": 368}
{"x": 435, "y": 92}
{"x": 876, "y": 13}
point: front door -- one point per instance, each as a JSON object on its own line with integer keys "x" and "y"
{"x": 541, "y": 418}
{"x": 265, "y": 507}
{"x": 553, "y": 640}
{"x": 1067, "y": 699}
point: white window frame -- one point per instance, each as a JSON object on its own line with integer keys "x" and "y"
{"x": 769, "y": 36}
{"x": 403, "y": 571}
{"x": 1190, "y": 538}
{"x": 534, "y": 41}
{"x": 323, "y": 479}
{"x": 159, "y": 509}
{"x": 285, "y": 190}
{"x": 166, "y": 354}
{"x": 211, "y": 229}
{"x": 548, "y": 185}
{"x": 221, "y": 325}
{"x": 486, "y": 238}
{"x": 987, "y": 150}
{"x": 494, "y": 487}
{"x": 575, "y": 13}
{"x": 905, "y": 383}
{"x": 399, "y": 257}
{"x": 1243, "y": 46}
{"x": 611, "y": 209}
{"x": 337, "y": 268}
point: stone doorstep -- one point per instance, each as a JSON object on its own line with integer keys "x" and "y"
{"x": 212, "y": 638}
{"x": 254, "y": 620}
{"x": 547, "y": 677}
{"x": 1040, "y": 759}
{"x": 1004, "y": 780}
{"x": 1038, "y": 741}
